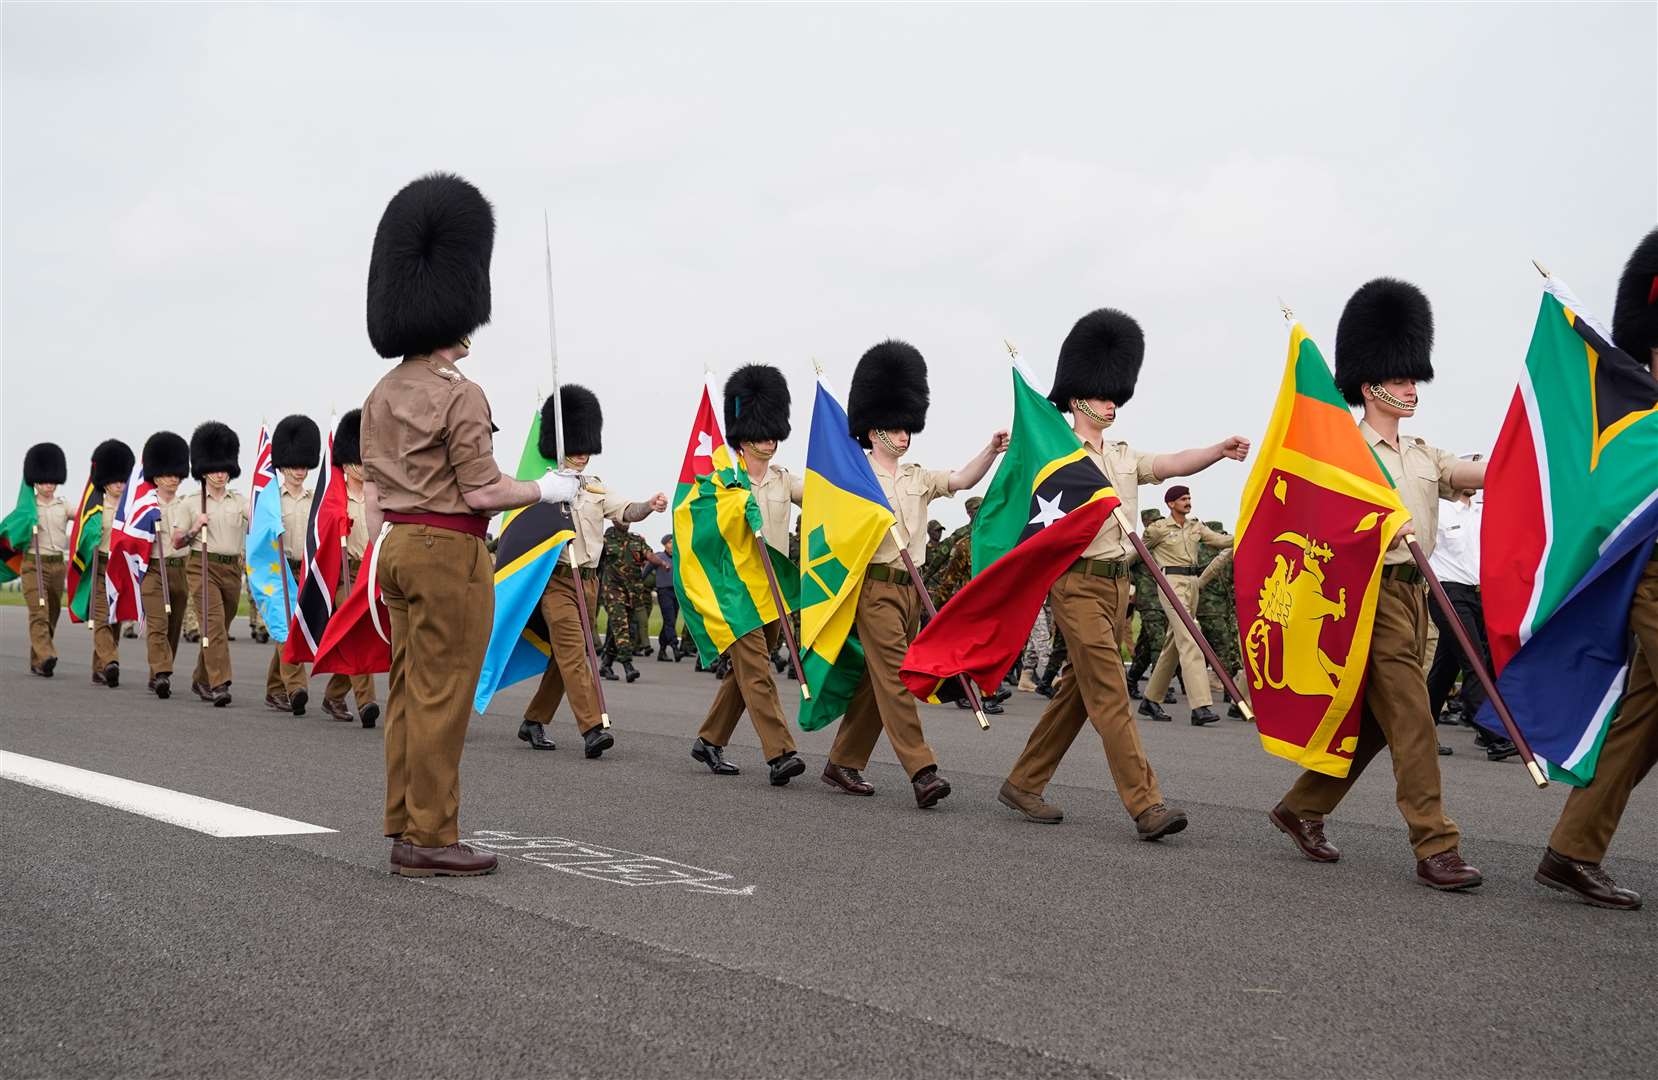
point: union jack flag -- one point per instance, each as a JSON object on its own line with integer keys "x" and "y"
{"x": 264, "y": 472}
{"x": 131, "y": 539}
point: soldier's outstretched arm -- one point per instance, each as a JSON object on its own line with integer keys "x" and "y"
{"x": 972, "y": 472}
{"x": 1193, "y": 461}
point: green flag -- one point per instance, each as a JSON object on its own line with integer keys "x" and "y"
{"x": 16, "y": 535}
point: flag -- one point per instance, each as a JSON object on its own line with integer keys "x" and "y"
{"x": 270, "y": 584}
{"x": 1319, "y": 511}
{"x": 17, "y": 535}
{"x": 1570, "y": 519}
{"x": 358, "y": 638}
{"x": 843, "y": 517}
{"x": 1045, "y": 505}
{"x": 132, "y": 539}
{"x": 325, "y": 533}
{"x": 86, "y": 534}
{"x": 531, "y": 541}
{"x": 721, "y": 583}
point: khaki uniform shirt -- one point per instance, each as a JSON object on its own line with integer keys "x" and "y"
{"x": 1422, "y": 474}
{"x": 909, "y": 494}
{"x": 356, "y": 538}
{"x": 52, "y": 516}
{"x": 427, "y": 437}
{"x": 1126, "y": 468}
{"x": 1176, "y": 545}
{"x": 227, "y": 522}
{"x": 776, "y": 492}
{"x": 592, "y": 511}
{"x": 296, "y": 520}
{"x": 179, "y": 515}
{"x": 110, "y": 503}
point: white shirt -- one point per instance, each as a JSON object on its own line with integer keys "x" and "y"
{"x": 1456, "y": 553}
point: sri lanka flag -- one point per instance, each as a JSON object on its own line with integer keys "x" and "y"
{"x": 843, "y": 517}
{"x": 132, "y": 539}
{"x": 17, "y": 535}
{"x": 1319, "y": 512}
{"x": 532, "y": 538}
{"x": 1571, "y": 515}
{"x": 718, "y": 543}
{"x": 270, "y": 585}
{"x": 1045, "y": 504}
{"x": 325, "y": 534}
{"x": 86, "y": 532}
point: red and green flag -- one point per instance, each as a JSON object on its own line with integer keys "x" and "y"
{"x": 86, "y": 532}
{"x": 17, "y": 534}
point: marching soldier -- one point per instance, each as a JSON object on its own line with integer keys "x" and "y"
{"x": 296, "y": 447}
{"x": 616, "y": 573}
{"x": 1147, "y": 602}
{"x": 45, "y": 469}
{"x": 216, "y": 538}
{"x": 1384, "y": 343}
{"x": 567, "y": 672}
{"x": 348, "y": 456}
{"x": 641, "y": 585}
{"x": 1572, "y": 861}
{"x": 1217, "y": 610}
{"x": 756, "y": 421}
{"x": 166, "y": 461}
{"x": 112, "y": 463}
{"x": 430, "y": 482}
{"x": 1099, "y": 364}
{"x": 886, "y": 407}
{"x": 1175, "y": 542}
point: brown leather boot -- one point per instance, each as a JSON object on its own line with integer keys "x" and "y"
{"x": 279, "y": 702}
{"x": 848, "y": 780}
{"x": 336, "y": 710}
{"x": 1030, "y": 805}
{"x": 929, "y": 787}
{"x": 1308, "y": 835}
{"x": 1447, "y": 872}
{"x": 1159, "y": 821}
{"x": 456, "y": 860}
{"x": 1586, "y": 881}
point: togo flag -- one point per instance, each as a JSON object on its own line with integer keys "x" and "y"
{"x": 1045, "y": 504}
{"x": 529, "y": 546}
{"x": 843, "y": 517}
{"x": 718, "y": 544}
{"x": 1570, "y": 519}
{"x": 1319, "y": 511}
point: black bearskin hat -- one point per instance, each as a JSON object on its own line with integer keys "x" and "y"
{"x": 215, "y": 448}
{"x": 296, "y": 443}
{"x": 583, "y": 423}
{"x": 756, "y": 405}
{"x": 1099, "y": 359}
{"x": 112, "y": 463}
{"x": 166, "y": 454}
{"x": 348, "y": 439}
{"x": 1635, "y": 315}
{"x": 889, "y": 392}
{"x": 428, "y": 276}
{"x": 44, "y": 463}
{"x": 1385, "y": 332}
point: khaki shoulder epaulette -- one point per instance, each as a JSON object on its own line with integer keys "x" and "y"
{"x": 451, "y": 374}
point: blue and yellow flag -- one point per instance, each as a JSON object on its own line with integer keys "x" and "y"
{"x": 843, "y": 518}
{"x": 531, "y": 541}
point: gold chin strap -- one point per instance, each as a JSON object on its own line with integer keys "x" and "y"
{"x": 1081, "y": 406}
{"x": 881, "y": 437}
{"x": 1381, "y": 394}
{"x": 466, "y": 343}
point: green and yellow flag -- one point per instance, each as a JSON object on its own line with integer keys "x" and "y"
{"x": 16, "y": 534}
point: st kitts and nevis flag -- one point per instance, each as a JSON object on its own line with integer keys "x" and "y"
{"x": 1045, "y": 504}
{"x": 86, "y": 532}
{"x": 532, "y": 538}
{"x": 131, "y": 540}
{"x": 325, "y": 533}
{"x": 17, "y": 535}
{"x": 270, "y": 585}
{"x": 1318, "y": 513}
{"x": 843, "y": 517}
{"x": 718, "y": 576}
{"x": 1571, "y": 513}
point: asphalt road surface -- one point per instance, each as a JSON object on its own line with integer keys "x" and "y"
{"x": 651, "y": 919}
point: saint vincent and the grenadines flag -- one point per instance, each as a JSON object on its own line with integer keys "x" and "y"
{"x": 1318, "y": 513}
{"x": 721, "y": 583}
{"x": 1044, "y": 506}
{"x": 1570, "y": 518}
{"x": 843, "y": 517}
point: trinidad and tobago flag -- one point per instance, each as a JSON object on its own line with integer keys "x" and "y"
{"x": 1044, "y": 506}
{"x": 325, "y": 535}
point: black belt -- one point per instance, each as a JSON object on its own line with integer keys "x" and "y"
{"x": 1106, "y": 568}
{"x": 1183, "y": 571}
{"x": 1408, "y": 573}
{"x": 892, "y": 575}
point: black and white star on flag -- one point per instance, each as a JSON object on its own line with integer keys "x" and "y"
{"x": 1047, "y": 510}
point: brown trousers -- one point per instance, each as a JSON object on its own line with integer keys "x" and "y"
{"x": 338, "y": 684}
{"x": 438, "y": 587}
{"x": 1396, "y": 716}
{"x": 106, "y": 638}
{"x": 162, "y": 627}
{"x": 887, "y": 619}
{"x": 567, "y": 672}
{"x": 1592, "y": 813}
{"x": 1180, "y": 648}
{"x": 1088, "y": 611}
{"x": 750, "y": 686}
{"x": 43, "y": 618}
{"x": 224, "y": 592}
{"x": 283, "y": 679}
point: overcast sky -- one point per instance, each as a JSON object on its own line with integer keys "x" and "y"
{"x": 189, "y": 195}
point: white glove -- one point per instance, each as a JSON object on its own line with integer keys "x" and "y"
{"x": 559, "y": 487}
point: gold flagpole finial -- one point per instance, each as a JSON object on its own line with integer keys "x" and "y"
{"x": 1289, "y": 316}
{"x": 1541, "y": 269}
{"x": 1012, "y": 349}
{"x": 817, "y": 365}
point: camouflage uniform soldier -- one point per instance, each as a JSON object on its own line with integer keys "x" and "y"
{"x": 1154, "y": 624}
{"x": 938, "y": 554}
{"x": 958, "y": 561}
{"x": 1217, "y": 610}
{"x": 616, "y": 571}
{"x": 641, "y": 584}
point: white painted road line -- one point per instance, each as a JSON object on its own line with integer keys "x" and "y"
{"x": 162, "y": 804}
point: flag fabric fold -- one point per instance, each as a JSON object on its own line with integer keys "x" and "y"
{"x": 325, "y": 534}
{"x": 358, "y": 638}
{"x": 271, "y": 585}
{"x": 1318, "y": 514}
{"x": 17, "y": 535}
{"x": 1571, "y": 516}
{"x": 132, "y": 539}
{"x": 86, "y": 533}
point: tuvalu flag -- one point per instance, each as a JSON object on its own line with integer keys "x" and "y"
{"x": 1044, "y": 506}
{"x": 271, "y": 585}
{"x": 1571, "y": 513}
{"x": 86, "y": 533}
{"x": 1319, "y": 511}
{"x": 718, "y": 576}
{"x": 843, "y": 517}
